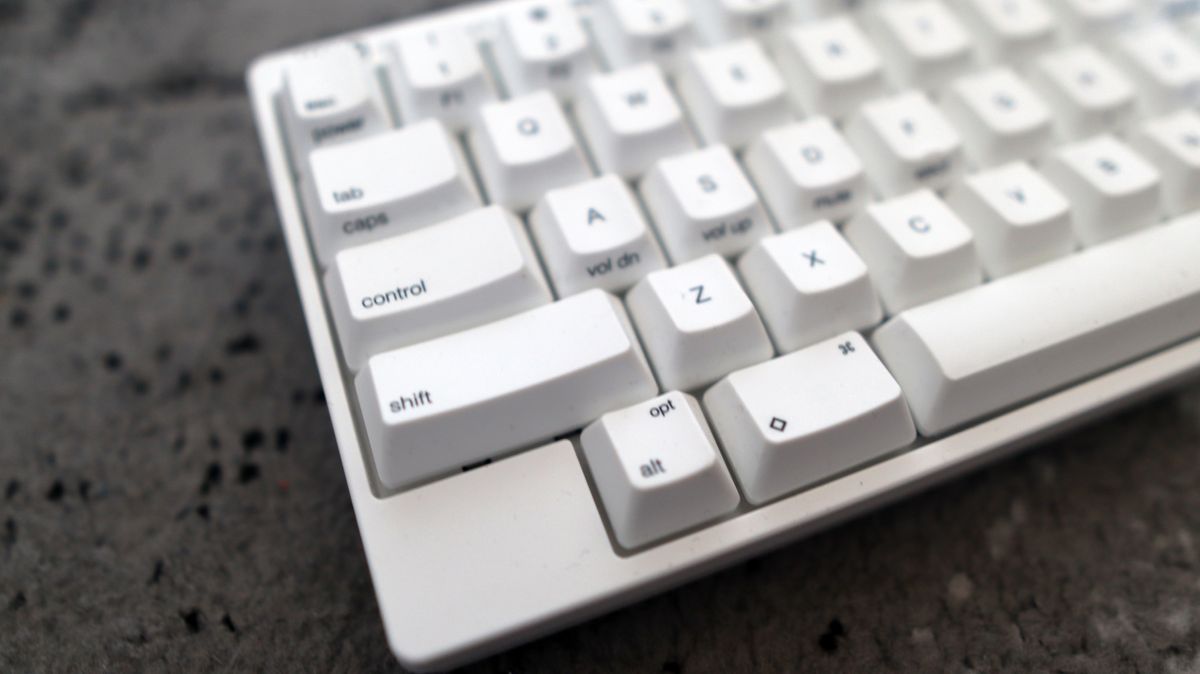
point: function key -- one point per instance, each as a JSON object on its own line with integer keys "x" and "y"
{"x": 543, "y": 46}
{"x": 634, "y": 31}
{"x": 727, "y": 20}
{"x": 438, "y": 74}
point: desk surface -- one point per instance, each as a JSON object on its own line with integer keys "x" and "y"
{"x": 172, "y": 498}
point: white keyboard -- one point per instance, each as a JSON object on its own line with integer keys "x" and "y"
{"x": 605, "y": 295}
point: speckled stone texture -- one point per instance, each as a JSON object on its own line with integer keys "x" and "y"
{"x": 171, "y": 497}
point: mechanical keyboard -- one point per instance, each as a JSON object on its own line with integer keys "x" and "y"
{"x": 607, "y": 294}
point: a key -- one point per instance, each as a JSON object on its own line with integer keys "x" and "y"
{"x": 697, "y": 324}
{"x": 1165, "y": 67}
{"x": 809, "y": 285}
{"x": 702, "y": 203}
{"x": 1086, "y": 93}
{"x": 1018, "y": 218}
{"x": 630, "y": 119}
{"x": 330, "y": 96}
{"x": 1009, "y": 31}
{"x": 806, "y": 172}
{"x": 592, "y": 235}
{"x": 524, "y": 147}
{"x": 473, "y": 269}
{"x": 365, "y": 190}
{"x": 542, "y": 45}
{"x": 434, "y": 407}
{"x": 438, "y": 74}
{"x": 634, "y": 31}
{"x": 657, "y": 469}
{"x": 906, "y": 144}
{"x": 916, "y": 249}
{"x": 733, "y": 91}
{"x": 727, "y": 20}
{"x": 830, "y": 67}
{"x": 808, "y": 416}
{"x": 987, "y": 349}
{"x": 1092, "y": 19}
{"x": 1000, "y": 117}
{"x": 1112, "y": 190}
{"x": 923, "y": 44}
{"x": 1172, "y": 144}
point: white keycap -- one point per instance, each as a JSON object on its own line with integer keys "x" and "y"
{"x": 923, "y": 45}
{"x": 906, "y": 144}
{"x": 1172, "y": 144}
{"x": 1011, "y": 340}
{"x": 330, "y": 96}
{"x": 1093, "y": 19}
{"x": 1018, "y": 218}
{"x": 368, "y": 189}
{"x": 806, "y": 172}
{"x": 473, "y": 269}
{"x": 657, "y": 469}
{"x": 634, "y": 31}
{"x": 830, "y": 67}
{"x": 696, "y": 323}
{"x": 431, "y": 408}
{"x": 733, "y": 92}
{"x": 631, "y": 120}
{"x": 702, "y": 203}
{"x": 807, "y": 10}
{"x": 1112, "y": 190}
{"x": 1165, "y": 67}
{"x": 542, "y": 45}
{"x": 1085, "y": 92}
{"x": 916, "y": 249}
{"x": 809, "y": 285}
{"x": 592, "y": 235}
{"x": 727, "y": 20}
{"x": 1000, "y": 117}
{"x": 808, "y": 416}
{"x": 1010, "y": 32}
{"x": 439, "y": 74}
{"x": 524, "y": 147}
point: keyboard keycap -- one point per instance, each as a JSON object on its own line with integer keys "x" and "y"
{"x": 658, "y": 469}
{"x": 1018, "y": 218}
{"x": 916, "y": 249}
{"x": 807, "y": 172}
{"x": 1012, "y": 32}
{"x": 542, "y": 45}
{"x": 830, "y": 67}
{"x": 808, "y": 416}
{"x": 431, "y": 408}
{"x": 923, "y": 44}
{"x": 697, "y": 324}
{"x": 1000, "y": 117}
{"x": 1165, "y": 67}
{"x": 978, "y": 352}
{"x": 630, "y": 119}
{"x": 1090, "y": 19}
{"x": 464, "y": 272}
{"x": 1085, "y": 92}
{"x": 1172, "y": 144}
{"x": 733, "y": 91}
{"x": 525, "y": 146}
{"x": 370, "y": 189}
{"x": 592, "y": 235}
{"x": 809, "y": 285}
{"x": 906, "y": 144}
{"x": 330, "y": 96}
{"x": 634, "y": 31}
{"x": 439, "y": 74}
{"x": 727, "y": 20}
{"x": 1112, "y": 190}
{"x": 702, "y": 203}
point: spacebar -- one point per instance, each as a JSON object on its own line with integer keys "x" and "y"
{"x": 438, "y": 406}
{"x": 975, "y": 353}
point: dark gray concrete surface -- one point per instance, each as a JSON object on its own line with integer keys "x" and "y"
{"x": 170, "y": 493}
